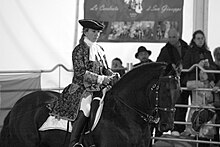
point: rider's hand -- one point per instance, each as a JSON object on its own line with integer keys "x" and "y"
{"x": 117, "y": 75}
{"x": 110, "y": 80}
{"x": 106, "y": 80}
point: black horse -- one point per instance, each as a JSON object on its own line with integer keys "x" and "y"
{"x": 146, "y": 94}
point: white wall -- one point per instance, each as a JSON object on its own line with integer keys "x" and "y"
{"x": 37, "y": 34}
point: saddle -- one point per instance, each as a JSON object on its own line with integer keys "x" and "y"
{"x": 53, "y": 122}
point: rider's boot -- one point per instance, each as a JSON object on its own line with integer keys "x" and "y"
{"x": 94, "y": 108}
{"x": 77, "y": 129}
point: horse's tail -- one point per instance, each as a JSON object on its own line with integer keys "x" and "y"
{"x": 5, "y": 132}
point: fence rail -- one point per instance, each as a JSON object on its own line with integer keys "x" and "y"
{"x": 38, "y": 71}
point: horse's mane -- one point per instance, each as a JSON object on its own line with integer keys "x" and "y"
{"x": 148, "y": 70}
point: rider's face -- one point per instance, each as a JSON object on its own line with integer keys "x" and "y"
{"x": 92, "y": 34}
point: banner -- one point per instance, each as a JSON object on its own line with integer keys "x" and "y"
{"x": 135, "y": 20}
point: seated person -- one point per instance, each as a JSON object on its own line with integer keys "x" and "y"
{"x": 200, "y": 97}
{"x": 117, "y": 66}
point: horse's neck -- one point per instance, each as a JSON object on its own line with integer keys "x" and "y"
{"x": 123, "y": 111}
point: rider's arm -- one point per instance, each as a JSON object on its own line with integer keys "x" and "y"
{"x": 83, "y": 69}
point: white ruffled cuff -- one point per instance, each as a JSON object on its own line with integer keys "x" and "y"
{"x": 100, "y": 79}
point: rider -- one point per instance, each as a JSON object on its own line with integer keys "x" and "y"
{"x": 91, "y": 74}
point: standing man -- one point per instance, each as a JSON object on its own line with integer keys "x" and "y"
{"x": 173, "y": 53}
{"x": 142, "y": 55}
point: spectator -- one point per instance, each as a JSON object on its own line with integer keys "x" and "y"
{"x": 142, "y": 55}
{"x": 117, "y": 66}
{"x": 174, "y": 50}
{"x": 216, "y": 66}
{"x": 197, "y": 54}
{"x": 173, "y": 53}
{"x": 200, "y": 97}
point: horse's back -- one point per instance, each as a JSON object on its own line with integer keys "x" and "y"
{"x": 27, "y": 109}
{"x": 27, "y": 115}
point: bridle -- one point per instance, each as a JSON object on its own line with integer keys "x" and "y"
{"x": 153, "y": 118}
{"x": 157, "y": 108}
{"x": 172, "y": 109}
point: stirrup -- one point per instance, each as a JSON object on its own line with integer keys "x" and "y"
{"x": 78, "y": 145}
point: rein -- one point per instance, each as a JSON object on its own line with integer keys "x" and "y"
{"x": 146, "y": 117}
{"x": 151, "y": 118}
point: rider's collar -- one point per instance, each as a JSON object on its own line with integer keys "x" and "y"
{"x": 88, "y": 42}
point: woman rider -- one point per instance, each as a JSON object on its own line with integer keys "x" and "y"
{"x": 91, "y": 74}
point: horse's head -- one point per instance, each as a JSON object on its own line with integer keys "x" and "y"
{"x": 150, "y": 91}
{"x": 167, "y": 91}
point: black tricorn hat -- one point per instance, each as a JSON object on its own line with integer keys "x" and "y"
{"x": 91, "y": 24}
{"x": 142, "y": 49}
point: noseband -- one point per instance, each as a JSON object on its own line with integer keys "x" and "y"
{"x": 153, "y": 118}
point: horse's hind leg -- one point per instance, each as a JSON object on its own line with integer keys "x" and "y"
{"x": 26, "y": 129}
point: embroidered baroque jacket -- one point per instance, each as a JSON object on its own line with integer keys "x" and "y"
{"x": 88, "y": 65}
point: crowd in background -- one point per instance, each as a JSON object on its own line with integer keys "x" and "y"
{"x": 176, "y": 51}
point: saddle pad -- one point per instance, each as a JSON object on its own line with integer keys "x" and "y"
{"x": 61, "y": 124}
{"x": 54, "y": 123}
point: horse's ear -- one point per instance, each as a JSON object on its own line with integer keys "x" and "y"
{"x": 173, "y": 69}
